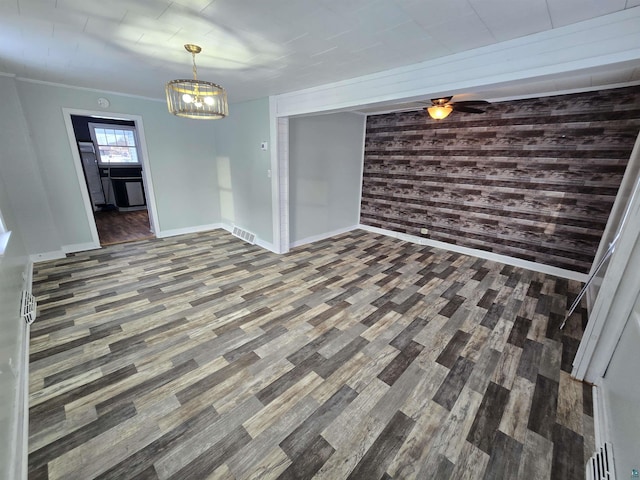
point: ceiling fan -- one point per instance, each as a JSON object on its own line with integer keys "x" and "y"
{"x": 442, "y": 107}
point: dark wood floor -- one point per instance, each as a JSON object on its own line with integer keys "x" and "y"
{"x": 120, "y": 227}
{"x": 358, "y": 357}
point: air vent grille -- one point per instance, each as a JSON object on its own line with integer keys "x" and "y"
{"x": 600, "y": 466}
{"x": 244, "y": 235}
{"x": 28, "y": 307}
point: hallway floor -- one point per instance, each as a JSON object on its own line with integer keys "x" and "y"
{"x": 120, "y": 227}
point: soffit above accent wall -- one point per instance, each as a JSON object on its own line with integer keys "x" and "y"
{"x": 623, "y": 74}
{"x": 261, "y": 48}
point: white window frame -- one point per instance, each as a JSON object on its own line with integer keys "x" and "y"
{"x": 111, "y": 126}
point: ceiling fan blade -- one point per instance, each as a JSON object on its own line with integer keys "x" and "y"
{"x": 472, "y": 103}
{"x": 463, "y": 108}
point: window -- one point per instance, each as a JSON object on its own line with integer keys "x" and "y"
{"x": 116, "y": 144}
{"x": 4, "y": 236}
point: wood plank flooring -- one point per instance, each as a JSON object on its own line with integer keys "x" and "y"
{"x": 358, "y": 357}
{"x": 120, "y": 227}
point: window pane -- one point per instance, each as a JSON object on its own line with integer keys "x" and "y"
{"x": 111, "y": 137}
{"x": 101, "y": 138}
{"x": 131, "y": 141}
{"x": 120, "y": 138}
{"x": 114, "y": 154}
{"x": 133, "y": 154}
{"x": 106, "y": 155}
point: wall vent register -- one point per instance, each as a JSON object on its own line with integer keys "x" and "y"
{"x": 28, "y": 307}
{"x": 244, "y": 235}
{"x": 600, "y": 466}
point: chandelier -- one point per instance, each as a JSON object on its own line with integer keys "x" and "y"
{"x": 196, "y": 98}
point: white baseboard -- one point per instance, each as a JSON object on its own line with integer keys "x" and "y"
{"x": 80, "y": 247}
{"x": 213, "y": 226}
{"x": 258, "y": 241}
{"x": 187, "y": 230}
{"x": 516, "y": 262}
{"x": 19, "y": 464}
{"x": 46, "y": 256}
{"x": 600, "y": 418}
{"x": 266, "y": 245}
{"x": 27, "y": 277}
{"x": 62, "y": 253}
{"x": 227, "y": 227}
{"x": 323, "y": 236}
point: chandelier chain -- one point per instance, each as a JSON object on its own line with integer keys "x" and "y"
{"x": 195, "y": 70}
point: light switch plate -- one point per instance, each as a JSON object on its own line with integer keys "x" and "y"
{"x": 264, "y": 145}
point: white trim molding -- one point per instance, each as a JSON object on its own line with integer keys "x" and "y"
{"x": 495, "y": 257}
{"x": 80, "y": 247}
{"x": 600, "y": 416}
{"x": 19, "y": 460}
{"x": 20, "y": 465}
{"x": 46, "y": 256}
{"x": 184, "y": 231}
{"x": 279, "y": 136}
{"x": 266, "y": 245}
{"x": 62, "y": 253}
{"x": 323, "y": 236}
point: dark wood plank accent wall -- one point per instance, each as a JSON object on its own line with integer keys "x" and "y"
{"x": 532, "y": 179}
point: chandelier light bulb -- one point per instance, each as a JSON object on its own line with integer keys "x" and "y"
{"x": 208, "y": 100}
{"x": 186, "y": 98}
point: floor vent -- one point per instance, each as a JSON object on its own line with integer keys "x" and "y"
{"x": 28, "y": 307}
{"x": 600, "y": 466}
{"x": 244, "y": 235}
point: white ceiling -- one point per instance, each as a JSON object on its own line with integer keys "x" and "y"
{"x": 256, "y": 48}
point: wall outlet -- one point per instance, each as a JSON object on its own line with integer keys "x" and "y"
{"x": 424, "y": 231}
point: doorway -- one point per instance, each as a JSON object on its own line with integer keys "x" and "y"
{"x": 113, "y": 172}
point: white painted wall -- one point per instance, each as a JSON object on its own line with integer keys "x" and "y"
{"x": 24, "y": 183}
{"x": 243, "y": 168}
{"x": 325, "y": 174}
{"x": 181, "y": 155}
{"x": 14, "y": 337}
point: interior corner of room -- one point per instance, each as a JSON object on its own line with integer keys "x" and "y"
{"x": 546, "y": 179}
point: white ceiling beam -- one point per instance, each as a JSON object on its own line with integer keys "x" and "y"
{"x": 598, "y": 42}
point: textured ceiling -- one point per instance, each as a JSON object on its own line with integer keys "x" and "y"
{"x": 256, "y": 48}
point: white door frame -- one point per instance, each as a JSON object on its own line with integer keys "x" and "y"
{"x": 77, "y": 163}
{"x": 279, "y": 138}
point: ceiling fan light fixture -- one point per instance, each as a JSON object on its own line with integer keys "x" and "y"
{"x": 196, "y": 98}
{"x": 439, "y": 112}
